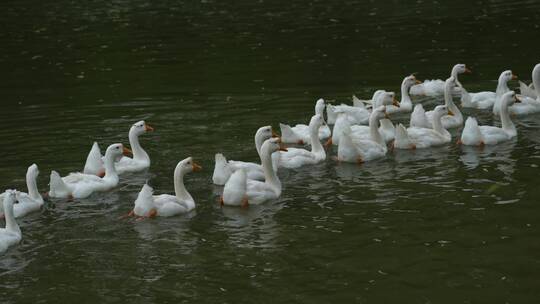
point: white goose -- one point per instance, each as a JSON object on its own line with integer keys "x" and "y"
{"x": 448, "y": 121}
{"x": 419, "y": 118}
{"x": 474, "y": 135}
{"x": 294, "y": 158}
{"x": 27, "y": 202}
{"x": 435, "y": 88}
{"x": 240, "y": 191}
{"x": 527, "y": 90}
{"x": 223, "y": 168}
{"x": 386, "y": 128}
{"x": 486, "y": 99}
{"x": 405, "y": 105}
{"x": 362, "y": 103}
{"x": 140, "y": 161}
{"x": 332, "y": 112}
{"x": 300, "y": 133}
{"x": 415, "y": 137}
{"x": 359, "y": 151}
{"x": 529, "y": 105}
{"x": 80, "y": 185}
{"x": 149, "y": 205}
{"x": 11, "y": 235}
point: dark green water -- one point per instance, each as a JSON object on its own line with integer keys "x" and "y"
{"x": 445, "y": 225}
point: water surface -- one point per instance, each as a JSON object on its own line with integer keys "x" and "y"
{"x": 444, "y": 225}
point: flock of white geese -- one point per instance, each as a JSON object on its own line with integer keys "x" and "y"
{"x": 362, "y": 132}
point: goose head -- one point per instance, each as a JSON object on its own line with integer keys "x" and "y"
{"x": 319, "y": 106}
{"x": 376, "y": 94}
{"x": 272, "y": 145}
{"x": 140, "y": 127}
{"x": 10, "y": 197}
{"x": 509, "y": 98}
{"x": 264, "y": 133}
{"x": 379, "y": 113}
{"x": 460, "y": 68}
{"x": 32, "y": 172}
{"x": 506, "y": 76}
{"x": 116, "y": 151}
{"x": 385, "y": 98}
{"x": 442, "y": 110}
{"x": 409, "y": 81}
{"x": 188, "y": 165}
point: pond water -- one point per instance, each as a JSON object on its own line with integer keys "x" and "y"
{"x": 444, "y": 225}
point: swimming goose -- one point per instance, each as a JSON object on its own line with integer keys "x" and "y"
{"x": 27, "y": 202}
{"x": 140, "y": 161}
{"x": 405, "y": 105}
{"x": 386, "y": 128}
{"x": 80, "y": 185}
{"x": 419, "y": 118}
{"x": 527, "y": 90}
{"x": 11, "y": 234}
{"x": 358, "y": 151}
{"x": 241, "y": 191}
{"x": 486, "y": 99}
{"x": 435, "y": 88}
{"x": 294, "y": 158}
{"x": 529, "y": 105}
{"x": 223, "y": 168}
{"x": 474, "y": 135}
{"x": 300, "y": 133}
{"x": 149, "y": 205}
{"x": 417, "y": 137}
{"x": 449, "y": 121}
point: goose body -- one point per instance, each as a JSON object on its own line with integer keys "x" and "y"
{"x": 359, "y": 151}
{"x": 487, "y": 99}
{"x": 529, "y": 104}
{"x": 419, "y": 118}
{"x": 140, "y": 161}
{"x": 11, "y": 234}
{"x": 149, "y": 205}
{"x": 296, "y": 157}
{"x": 300, "y": 133}
{"x": 26, "y": 202}
{"x": 223, "y": 168}
{"x": 435, "y": 87}
{"x": 386, "y": 128}
{"x": 80, "y": 185}
{"x": 405, "y": 105}
{"x": 355, "y": 150}
{"x": 418, "y": 137}
{"x": 241, "y": 191}
{"x": 527, "y": 90}
{"x": 448, "y": 121}
{"x": 475, "y": 135}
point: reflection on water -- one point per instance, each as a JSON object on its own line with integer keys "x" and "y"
{"x": 436, "y": 224}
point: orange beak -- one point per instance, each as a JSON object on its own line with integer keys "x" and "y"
{"x": 127, "y": 152}
{"x": 417, "y": 81}
{"x": 148, "y": 128}
{"x": 395, "y": 102}
{"x": 282, "y": 148}
{"x": 274, "y": 134}
{"x": 468, "y": 71}
{"x": 196, "y": 167}
{"x": 450, "y": 113}
{"x": 518, "y": 100}
{"x": 514, "y": 77}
